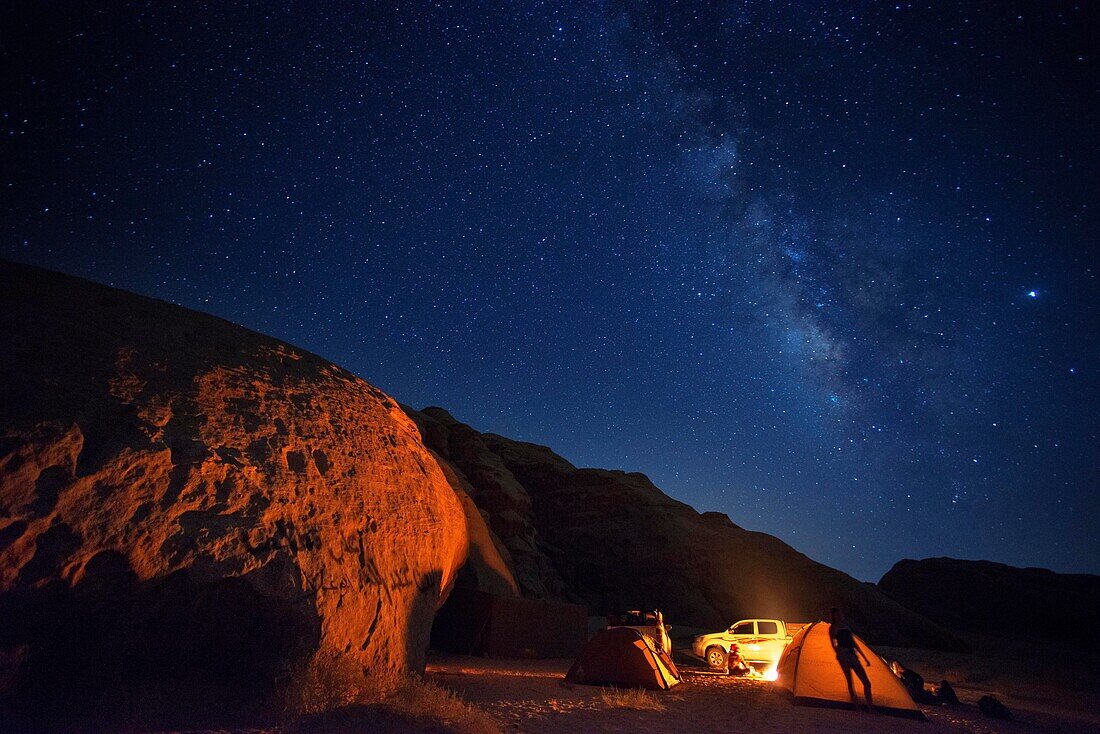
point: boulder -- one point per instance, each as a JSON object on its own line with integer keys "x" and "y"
{"x": 190, "y": 509}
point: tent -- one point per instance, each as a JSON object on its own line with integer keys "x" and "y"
{"x": 624, "y": 657}
{"x": 809, "y": 669}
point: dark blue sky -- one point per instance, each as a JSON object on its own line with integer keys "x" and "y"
{"x": 830, "y": 269}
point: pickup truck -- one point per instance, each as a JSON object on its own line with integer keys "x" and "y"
{"x": 760, "y": 641}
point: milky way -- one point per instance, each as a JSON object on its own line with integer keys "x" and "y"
{"x": 828, "y": 269}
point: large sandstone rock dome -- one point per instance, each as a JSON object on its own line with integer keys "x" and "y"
{"x": 185, "y": 503}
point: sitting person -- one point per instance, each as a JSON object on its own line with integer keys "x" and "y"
{"x": 736, "y": 663}
{"x": 945, "y": 694}
{"x": 914, "y": 683}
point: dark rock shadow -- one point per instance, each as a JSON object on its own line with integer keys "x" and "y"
{"x": 115, "y": 654}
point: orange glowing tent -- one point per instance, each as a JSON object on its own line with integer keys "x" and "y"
{"x": 622, "y": 656}
{"x": 809, "y": 669}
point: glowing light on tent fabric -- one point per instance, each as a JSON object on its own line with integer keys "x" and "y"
{"x": 809, "y": 669}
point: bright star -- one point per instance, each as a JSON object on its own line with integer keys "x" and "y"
{"x": 1033, "y": 294}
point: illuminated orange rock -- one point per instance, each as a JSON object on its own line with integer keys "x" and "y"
{"x": 496, "y": 492}
{"x": 184, "y": 500}
{"x": 489, "y": 565}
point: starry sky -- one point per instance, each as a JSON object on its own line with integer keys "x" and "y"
{"x": 829, "y": 268}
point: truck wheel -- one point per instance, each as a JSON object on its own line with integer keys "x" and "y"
{"x": 716, "y": 657}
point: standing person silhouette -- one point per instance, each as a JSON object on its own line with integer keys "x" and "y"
{"x": 663, "y": 640}
{"x": 848, "y": 655}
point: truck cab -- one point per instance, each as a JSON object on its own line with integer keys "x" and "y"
{"x": 760, "y": 641}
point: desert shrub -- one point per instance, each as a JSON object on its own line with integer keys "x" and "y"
{"x": 337, "y": 689}
{"x": 630, "y": 698}
{"x": 329, "y": 683}
{"x": 418, "y": 698}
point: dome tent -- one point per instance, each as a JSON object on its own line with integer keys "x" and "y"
{"x": 625, "y": 657}
{"x": 809, "y": 669}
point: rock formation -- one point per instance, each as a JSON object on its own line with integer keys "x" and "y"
{"x": 612, "y": 540}
{"x": 193, "y": 507}
{"x": 495, "y": 490}
{"x": 488, "y": 566}
{"x": 994, "y": 599}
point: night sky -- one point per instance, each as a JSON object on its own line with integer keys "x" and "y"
{"x": 828, "y": 268}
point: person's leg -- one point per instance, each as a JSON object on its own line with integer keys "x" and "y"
{"x": 866, "y": 683}
{"x": 848, "y": 678}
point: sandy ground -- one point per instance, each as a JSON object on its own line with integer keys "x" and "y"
{"x": 531, "y": 696}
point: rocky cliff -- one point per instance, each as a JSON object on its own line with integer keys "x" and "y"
{"x": 612, "y": 540}
{"x": 191, "y": 512}
{"x": 188, "y": 508}
{"x": 994, "y": 599}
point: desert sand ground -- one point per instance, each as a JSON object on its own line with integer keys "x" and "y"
{"x": 531, "y": 696}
